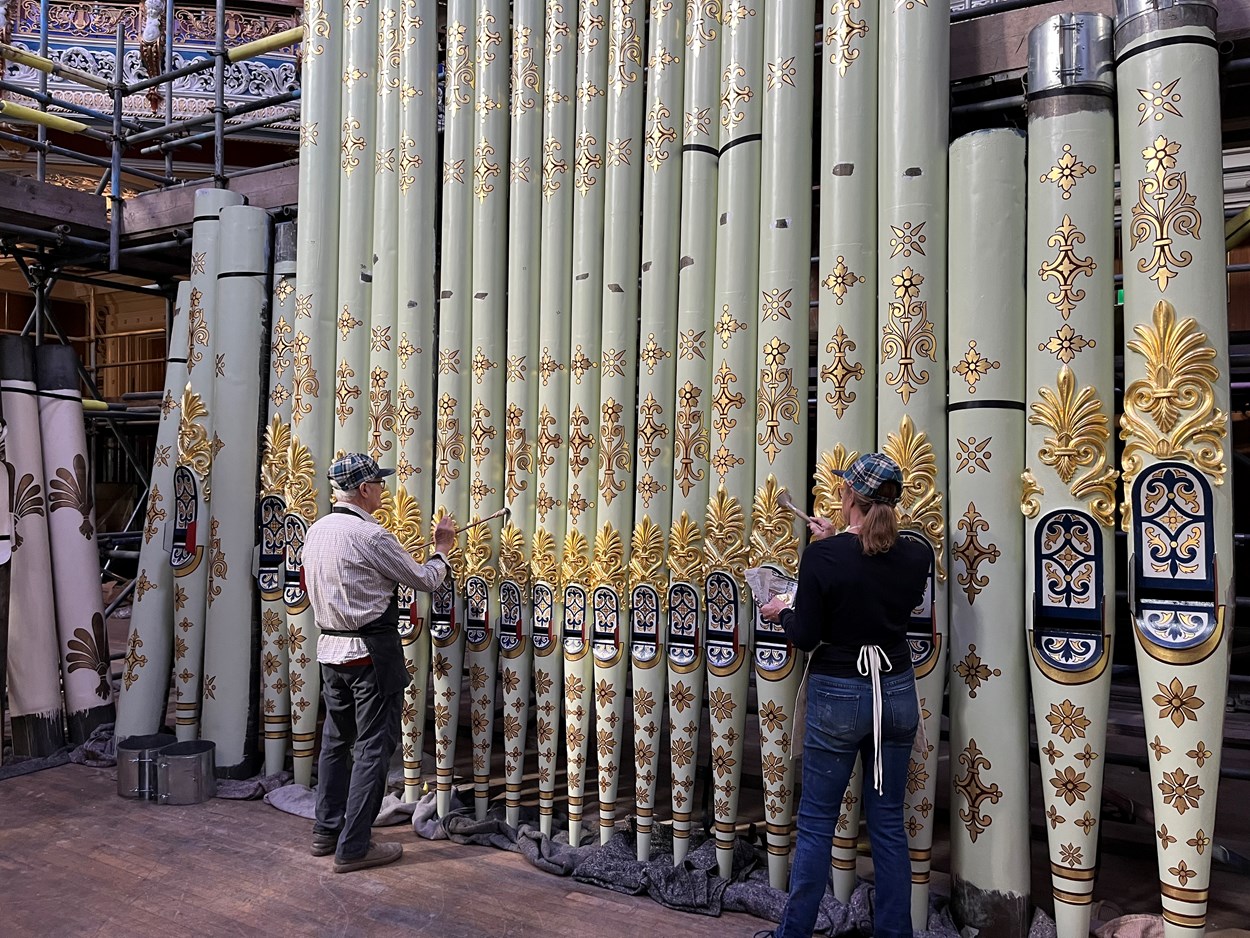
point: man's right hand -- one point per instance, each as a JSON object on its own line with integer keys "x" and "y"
{"x": 444, "y": 535}
{"x": 821, "y": 528}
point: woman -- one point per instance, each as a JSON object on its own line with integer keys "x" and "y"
{"x": 855, "y": 596}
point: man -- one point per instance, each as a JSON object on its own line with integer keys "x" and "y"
{"x": 352, "y": 566}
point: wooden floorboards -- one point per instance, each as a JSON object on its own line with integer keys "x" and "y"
{"x": 77, "y": 860}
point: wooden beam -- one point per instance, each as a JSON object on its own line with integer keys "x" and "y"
{"x": 161, "y": 210}
{"x": 33, "y": 204}
{"x": 998, "y": 43}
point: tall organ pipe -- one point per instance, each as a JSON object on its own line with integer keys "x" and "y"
{"x": 616, "y": 410}
{"x": 653, "y": 455}
{"x": 144, "y": 689}
{"x": 75, "y": 559}
{"x": 1068, "y": 500}
{"x": 988, "y": 715}
{"x": 524, "y": 260}
{"x": 550, "y": 452}
{"x": 912, "y": 119}
{"x": 1175, "y": 425}
{"x": 780, "y": 451}
{"x": 312, "y": 355}
{"x": 732, "y": 332}
{"x": 686, "y": 628}
{"x": 846, "y": 413}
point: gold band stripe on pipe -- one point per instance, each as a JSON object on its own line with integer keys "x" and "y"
{"x": 1072, "y": 898}
{"x": 1184, "y": 921}
{"x": 1180, "y": 894}
{"x": 1079, "y": 876}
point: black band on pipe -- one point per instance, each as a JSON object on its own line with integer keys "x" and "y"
{"x": 1090, "y": 90}
{"x": 985, "y": 405}
{"x": 749, "y": 138}
{"x": 700, "y": 148}
{"x": 1167, "y": 41}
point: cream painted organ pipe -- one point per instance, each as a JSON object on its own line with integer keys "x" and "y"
{"x": 1175, "y": 425}
{"x": 989, "y": 701}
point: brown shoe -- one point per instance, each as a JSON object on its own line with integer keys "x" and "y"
{"x": 323, "y": 844}
{"x": 378, "y": 855}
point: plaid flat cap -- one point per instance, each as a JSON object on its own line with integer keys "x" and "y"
{"x": 869, "y": 472}
{"x": 355, "y": 469}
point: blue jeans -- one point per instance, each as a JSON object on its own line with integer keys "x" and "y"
{"x": 839, "y": 728}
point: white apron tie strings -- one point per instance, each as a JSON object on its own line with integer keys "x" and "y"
{"x": 870, "y": 665}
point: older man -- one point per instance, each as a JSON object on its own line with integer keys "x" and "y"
{"x": 352, "y": 567}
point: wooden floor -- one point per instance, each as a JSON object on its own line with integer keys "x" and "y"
{"x": 75, "y": 859}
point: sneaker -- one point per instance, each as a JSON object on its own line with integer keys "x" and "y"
{"x": 378, "y": 855}
{"x": 324, "y": 844}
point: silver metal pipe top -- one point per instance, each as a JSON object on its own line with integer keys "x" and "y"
{"x": 1135, "y": 18}
{"x": 1071, "y": 51}
{"x": 284, "y": 247}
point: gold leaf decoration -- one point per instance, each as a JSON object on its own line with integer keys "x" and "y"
{"x": 777, "y": 401}
{"x": 614, "y": 469}
{"x": 1080, "y": 431}
{"x": 1066, "y": 267}
{"x": 690, "y": 441}
{"x": 772, "y": 530}
{"x": 827, "y": 490}
{"x": 543, "y": 561}
{"x": 1029, "y": 491}
{"x": 456, "y": 558}
{"x": 1171, "y": 412}
{"x": 575, "y": 565}
{"x": 401, "y": 515}
{"x": 972, "y": 553}
{"x": 646, "y": 556}
{"x": 276, "y": 460}
{"x": 195, "y": 450}
{"x": 921, "y": 504}
{"x": 685, "y": 550}
{"x": 908, "y": 335}
{"x": 512, "y": 565}
{"x": 448, "y": 443}
{"x": 724, "y": 534}
{"x": 609, "y": 562}
{"x": 478, "y": 552}
{"x": 301, "y": 489}
{"x": 840, "y": 372}
{"x": 1165, "y": 211}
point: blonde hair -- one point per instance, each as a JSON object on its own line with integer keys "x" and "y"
{"x": 879, "y": 529}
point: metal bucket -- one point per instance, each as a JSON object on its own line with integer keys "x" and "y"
{"x": 136, "y": 764}
{"x": 184, "y": 772}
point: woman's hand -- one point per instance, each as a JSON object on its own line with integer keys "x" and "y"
{"x": 771, "y": 610}
{"x": 821, "y": 528}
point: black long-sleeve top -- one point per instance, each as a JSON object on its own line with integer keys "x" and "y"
{"x": 849, "y": 600}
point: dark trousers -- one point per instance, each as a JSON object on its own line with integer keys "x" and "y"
{"x": 361, "y": 732}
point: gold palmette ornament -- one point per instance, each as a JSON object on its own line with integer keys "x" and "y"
{"x": 989, "y": 701}
{"x": 846, "y": 413}
{"x": 1068, "y": 496}
{"x": 196, "y": 542}
{"x": 785, "y": 233}
{"x": 913, "y": 120}
{"x": 653, "y": 454}
{"x": 684, "y": 624}
{"x": 413, "y": 345}
{"x": 582, "y": 431}
{"x": 271, "y": 507}
{"x": 1177, "y": 479}
{"x": 487, "y": 364}
{"x": 451, "y": 469}
{"x": 522, "y": 374}
{"x": 362, "y": 90}
{"x": 229, "y": 706}
{"x": 142, "y": 694}
{"x": 312, "y": 356}
{"x": 618, "y": 385}
{"x": 731, "y": 336}
{"x": 552, "y": 377}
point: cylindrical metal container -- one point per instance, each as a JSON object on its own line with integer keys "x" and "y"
{"x": 184, "y": 772}
{"x": 136, "y": 764}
